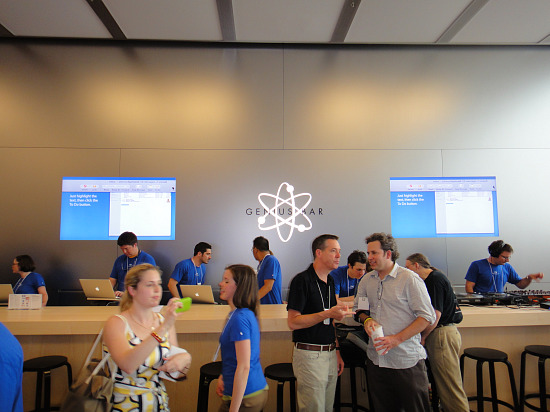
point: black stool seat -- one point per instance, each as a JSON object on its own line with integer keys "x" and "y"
{"x": 208, "y": 373}
{"x": 43, "y": 366}
{"x": 542, "y": 352}
{"x": 491, "y": 356}
{"x": 486, "y": 354}
{"x": 283, "y": 372}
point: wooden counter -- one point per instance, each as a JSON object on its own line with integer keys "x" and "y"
{"x": 70, "y": 331}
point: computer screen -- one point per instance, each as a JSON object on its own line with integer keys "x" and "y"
{"x": 101, "y": 208}
{"x": 443, "y": 206}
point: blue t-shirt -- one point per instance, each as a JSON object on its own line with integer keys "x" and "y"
{"x": 242, "y": 325}
{"x": 270, "y": 268}
{"x": 491, "y": 278}
{"x": 30, "y": 284}
{"x": 186, "y": 273}
{"x": 123, "y": 263}
{"x": 344, "y": 285}
{"x": 11, "y": 365}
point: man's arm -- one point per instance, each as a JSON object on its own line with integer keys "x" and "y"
{"x": 296, "y": 320}
{"x": 266, "y": 288}
{"x": 470, "y": 286}
{"x": 526, "y": 281}
{"x": 391, "y": 341}
{"x": 431, "y": 327}
{"x": 113, "y": 282}
{"x": 173, "y": 288}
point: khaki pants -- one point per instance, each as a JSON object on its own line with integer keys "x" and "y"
{"x": 253, "y": 404}
{"x": 443, "y": 346}
{"x": 316, "y": 377}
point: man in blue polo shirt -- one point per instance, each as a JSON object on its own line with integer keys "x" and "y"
{"x": 491, "y": 274}
{"x": 346, "y": 278}
{"x": 191, "y": 271}
{"x": 131, "y": 256}
{"x": 269, "y": 272}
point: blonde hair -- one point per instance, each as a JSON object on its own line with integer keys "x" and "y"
{"x": 133, "y": 277}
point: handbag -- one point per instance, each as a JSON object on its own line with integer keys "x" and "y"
{"x": 93, "y": 392}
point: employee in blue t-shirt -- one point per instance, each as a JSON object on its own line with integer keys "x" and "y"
{"x": 242, "y": 385}
{"x": 30, "y": 281}
{"x": 191, "y": 271}
{"x": 131, "y": 256}
{"x": 491, "y": 274}
{"x": 269, "y": 272}
{"x": 346, "y": 278}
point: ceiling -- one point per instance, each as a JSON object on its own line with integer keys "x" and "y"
{"x": 478, "y": 22}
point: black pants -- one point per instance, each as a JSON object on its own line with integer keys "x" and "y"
{"x": 398, "y": 390}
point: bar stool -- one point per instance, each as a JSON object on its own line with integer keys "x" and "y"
{"x": 282, "y": 372}
{"x": 353, "y": 357}
{"x": 542, "y": 352}
{"x": 209, "y": 372}
{"x": 43, "y": 366}
{"x": 491, "y": 356}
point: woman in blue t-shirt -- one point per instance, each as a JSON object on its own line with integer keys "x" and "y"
{"x": 31, "y": 283}
{"x": 242, "y": 384}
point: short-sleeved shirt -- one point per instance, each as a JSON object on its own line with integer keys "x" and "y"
{"x": 344, "y": 285}
{"x": 491, "y": 278}
{"x": 11, "y": 364}
{"x": 309, "y": 294}
{"x": 186, "y": 273}
{"x": 241, "y": 325}
{"x": 124, "y": 263}
{"x": 29, "y": 284}
{"x": 270, "y": 269}
{"x": 395, "y": 302}
{"x": 443, "y": 298}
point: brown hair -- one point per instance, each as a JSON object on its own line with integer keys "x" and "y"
{"x": 133, "y": 277}
{"x": 387, "y": 242}
{"x": 246, "y": 294}
{"x": 421, "y": 259}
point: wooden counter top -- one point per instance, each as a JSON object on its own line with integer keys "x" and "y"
{"x": 88, "y": 320}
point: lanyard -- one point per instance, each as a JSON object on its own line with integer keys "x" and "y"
{"x": 322, "y": 299}
{"x": 223, "y": 330}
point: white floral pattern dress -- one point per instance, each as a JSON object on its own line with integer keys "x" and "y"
{"x": 142, "y": 390}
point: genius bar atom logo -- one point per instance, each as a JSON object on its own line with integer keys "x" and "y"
{"x": 293, "y": 210}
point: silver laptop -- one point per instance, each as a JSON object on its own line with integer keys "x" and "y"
{"x": 5, "y": 292}
{"x": 98, "y": 289}
{"x": 197, "y": 293}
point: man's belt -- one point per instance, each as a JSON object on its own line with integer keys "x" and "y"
{"x": 318, "y": 348}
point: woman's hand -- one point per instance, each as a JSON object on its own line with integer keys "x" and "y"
{"x": 169, "y": 312}
{"x": 177, "y": 363}
{"x": 219, "y": 386}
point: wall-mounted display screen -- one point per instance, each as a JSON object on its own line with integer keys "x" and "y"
{"x": 443, "y": 206}
{"x": 101, "y": 208}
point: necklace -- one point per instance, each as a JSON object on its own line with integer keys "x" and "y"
{"x": 152, "y": 327}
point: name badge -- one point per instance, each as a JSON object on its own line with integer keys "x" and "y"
{"x": 326, "y": 321}
{"x": 363, "y": 303}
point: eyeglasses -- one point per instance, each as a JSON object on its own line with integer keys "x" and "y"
{"x": 505, "y": 257}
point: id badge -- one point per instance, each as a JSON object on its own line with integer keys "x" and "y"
{"x": 363, "y": 303}
{"x": 326, "y": 321}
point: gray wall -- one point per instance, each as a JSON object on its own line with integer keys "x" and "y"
{"x": 230, "y": 123}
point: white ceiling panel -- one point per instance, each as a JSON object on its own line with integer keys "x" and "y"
{"x": 281, "y": 21}
{"x": 192, "y": 20}
{"x": 403, "y": 21}
{"x": 51, "y": 18}
{"x": 508, "y": 22}
{"x": 483, "y": 22}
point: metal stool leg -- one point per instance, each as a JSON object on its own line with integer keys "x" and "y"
{"x": 542, "y": 385}
{"x": 512, "y": 385}
{"x": 38, "y": 395}
{"x": 293, "y": 396}
{"x": 47, "y": 388}
{"x": 280, "y": 394}
{"x": 479, "y": 377}
{"x": 522, "y": 382}
{"x": 493, "y": 383}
